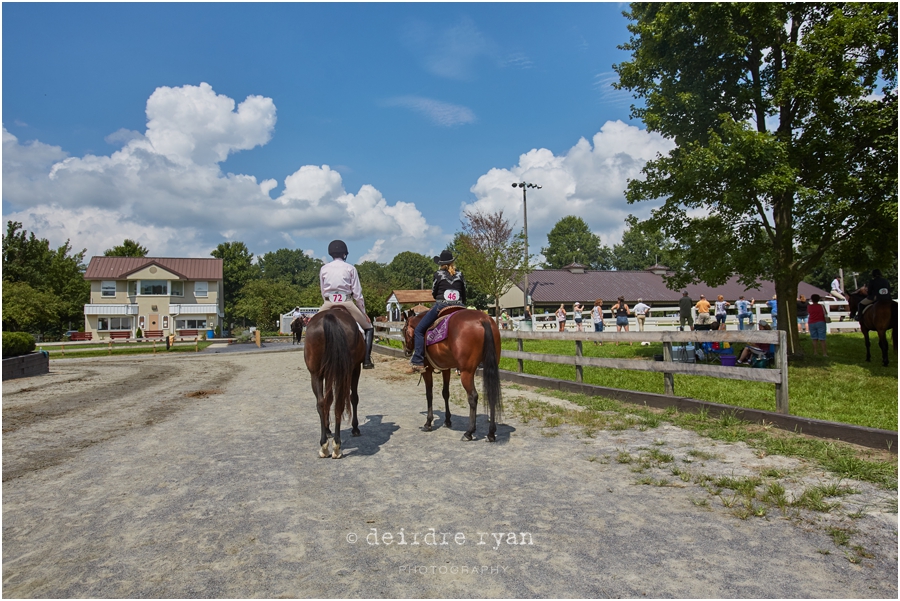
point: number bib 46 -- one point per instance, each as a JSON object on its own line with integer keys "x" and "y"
{"x": 451, "y": 295}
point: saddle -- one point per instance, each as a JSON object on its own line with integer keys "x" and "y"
{"x": 438, "y": 332}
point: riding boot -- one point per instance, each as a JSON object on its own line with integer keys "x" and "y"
{"x": 370, "y": 337}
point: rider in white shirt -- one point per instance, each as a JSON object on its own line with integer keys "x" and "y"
{"x": 340, "y": 287}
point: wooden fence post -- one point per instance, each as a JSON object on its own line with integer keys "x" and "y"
{"x": 579, "y": 369}
{"x": 258, "y": 343}
{"x": 781, "y": 363}
{"x": 109, "y": 347}
{"x": 520, "y": 347}
{"x": 197, "y": 344}
{"x": 669, "y": 377}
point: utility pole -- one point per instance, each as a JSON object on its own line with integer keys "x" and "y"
{"x": 524, "y": 185}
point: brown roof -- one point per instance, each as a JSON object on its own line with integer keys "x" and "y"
{"x": 117, "y": 268}
{"x": 413, "y": 296}
{"x": 562, "y": 286}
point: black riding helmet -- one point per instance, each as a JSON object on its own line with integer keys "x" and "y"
{"x": 337, "y": 248}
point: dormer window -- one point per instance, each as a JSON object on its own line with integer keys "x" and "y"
{"x": 154, "y": 287}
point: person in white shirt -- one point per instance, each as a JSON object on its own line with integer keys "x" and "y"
{"x": 836, "y": 290}
{"x": 640, "y": 312}
{"x": 340, "y": 286}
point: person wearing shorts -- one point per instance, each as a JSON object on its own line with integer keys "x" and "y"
{"x": 817, "y": 329}
{"x": 577, "y": 310}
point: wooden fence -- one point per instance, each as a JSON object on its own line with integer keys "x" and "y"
{"x": 668, "y": 367}
{"x": 73, "y": 348}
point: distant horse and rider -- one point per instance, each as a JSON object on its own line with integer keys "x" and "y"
{"x": 876, "y": 311}
{"x": 297, "y": 328}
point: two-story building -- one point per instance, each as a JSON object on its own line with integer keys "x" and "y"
{"x": 153, "y": 294}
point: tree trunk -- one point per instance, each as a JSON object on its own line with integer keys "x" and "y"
{"x": 786, "y": 289}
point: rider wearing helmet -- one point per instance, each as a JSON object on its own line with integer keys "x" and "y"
{"x": 449, "y": 288}
{"x": 340, "y": 287}
{"x": 878, "y": 288}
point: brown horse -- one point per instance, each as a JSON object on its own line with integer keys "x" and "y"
{"x": 880, "y": 316}
{"x": 334, "y": 354}
{"x": 473, "y": 339}
{"x": 297, "y": 329}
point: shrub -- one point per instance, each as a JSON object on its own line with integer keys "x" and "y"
{"x": 139, "y": 333}
{"x": 17, "y": 343}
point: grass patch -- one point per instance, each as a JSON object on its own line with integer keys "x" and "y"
{"x": 820, "y": 388}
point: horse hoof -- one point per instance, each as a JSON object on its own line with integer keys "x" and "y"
{"x": 427, "y": 427}
{"x": 467, "y": 436}
{"x": 492, "y": 438}
{"x": 356, "y": 433}
{"x": 337, "y": 455}
{"x": 448, "y": 424}
{"x": 323, "y": 454}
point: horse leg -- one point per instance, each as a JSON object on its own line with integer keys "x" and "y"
{"x": 354, "y": 399}
{"x": 336, "y": 452}
{"x": 468, "y": 381}
{"x": 428, "y": 377}
{"x": 445, "y": 392}
{"x": 883, "y": 343}
{"x": 323, "y": 416}
{"x": 865, "y": 334}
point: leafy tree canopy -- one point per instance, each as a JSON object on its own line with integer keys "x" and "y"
{"x": 412, "y": 270}
{"x": 785, "y": 120}
{"x": 571, "y": 241}
{"x": 291, "y": 266}
{"x": 128, "y": 248}
{"x": 262, "y": 302}
{"x": 490, "y": 253}
{"x": 642, "y": 245}
{"x": 237, "y": 271}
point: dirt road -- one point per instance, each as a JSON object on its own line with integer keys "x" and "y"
{"x": 175, "y": 476}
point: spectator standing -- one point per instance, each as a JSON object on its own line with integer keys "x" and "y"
{"x": 773, "y": 305}
{"x": 504, "y": 320}
{"x": 703, "y": 316}
{"x": 817, "y": 328}
{"x": 621, "y": 311}
{"x": 640, "y": 312}
{"x": 685, "y": 306}
{"x": 597, "y": 317}
{"x": 561, "y": 318}
{"x": 577, "y": 310}
{"x": 836, "y": 290}
{"x": 721, "y": 311}
{"x": 743, "y": 310}
{"x": 802, "y": 315}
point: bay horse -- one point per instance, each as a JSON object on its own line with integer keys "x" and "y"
{"x": 296, "y": 329}
{"x": 880, "y": 316}
{"x": 472, "y": 339}
{"x": 334, "y": 353}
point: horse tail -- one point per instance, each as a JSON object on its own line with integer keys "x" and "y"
{"x": 491, "y": 373}
{"x": 336, "y": 365}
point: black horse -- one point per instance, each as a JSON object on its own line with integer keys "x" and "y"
{"x": 880, "y": 316}
{"x": 297, "y": 329}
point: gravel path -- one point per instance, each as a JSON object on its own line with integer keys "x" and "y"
{"x": 198, "y": 476}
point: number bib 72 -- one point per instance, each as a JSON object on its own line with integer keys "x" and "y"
{"x": 337, "y": 297}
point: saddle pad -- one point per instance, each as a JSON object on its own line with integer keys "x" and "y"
{"x": 438, "y": 331}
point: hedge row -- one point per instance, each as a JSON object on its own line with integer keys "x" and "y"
{"x": 17, "y": 343}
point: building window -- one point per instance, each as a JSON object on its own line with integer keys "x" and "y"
{"x": 141, "y": 322}
{"x": 114, "y": 323}
{"x": 176, "y": 288}
{"x": 132, "y": 288}
{"x": 201, "y": 288}
{"x": 190, "y": 324}
{"x": 165, "y": 324}
{"x": 154, "y": 287}
{"x": 107, "y": 288}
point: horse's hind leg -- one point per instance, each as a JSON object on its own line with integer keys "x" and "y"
{"x": 336, "y": 453}
{"x": 865, "y": 334}
{"x": 323, "y": 416}
{"x": 354, "y": 400}
{"x": 428, "y": 377}
{"x": 468, "y": 382}
{"x": 445, "y": 392}
{"x": 883, "y": 343}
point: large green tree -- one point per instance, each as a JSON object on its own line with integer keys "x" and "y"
{"x": 263, "y": 301}
{"x": 291, "y": 266}
{"x": 53, "y": 276}
{"x": 784, "y": 117}
{"x": 572, "y": 241}
{"x": 642, "y": 245}
{"x": 412, "y": 270}
{"x": 128, "y": 248}
{"x": 378, "y": 283}
{"x": 237, "y": 271}
{"x": 491, "y": 253}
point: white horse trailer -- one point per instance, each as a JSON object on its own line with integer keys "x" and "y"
{"x": 287, "y": 318}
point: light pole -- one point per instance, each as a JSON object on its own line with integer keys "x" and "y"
{"x": 524, "y": 185}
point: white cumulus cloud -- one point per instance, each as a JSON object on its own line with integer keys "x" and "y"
{"x": 165, "y": 188}
{"x": 588, "y": 181}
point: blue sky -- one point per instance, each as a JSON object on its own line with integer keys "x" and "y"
{"x": 288, "y": 125}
